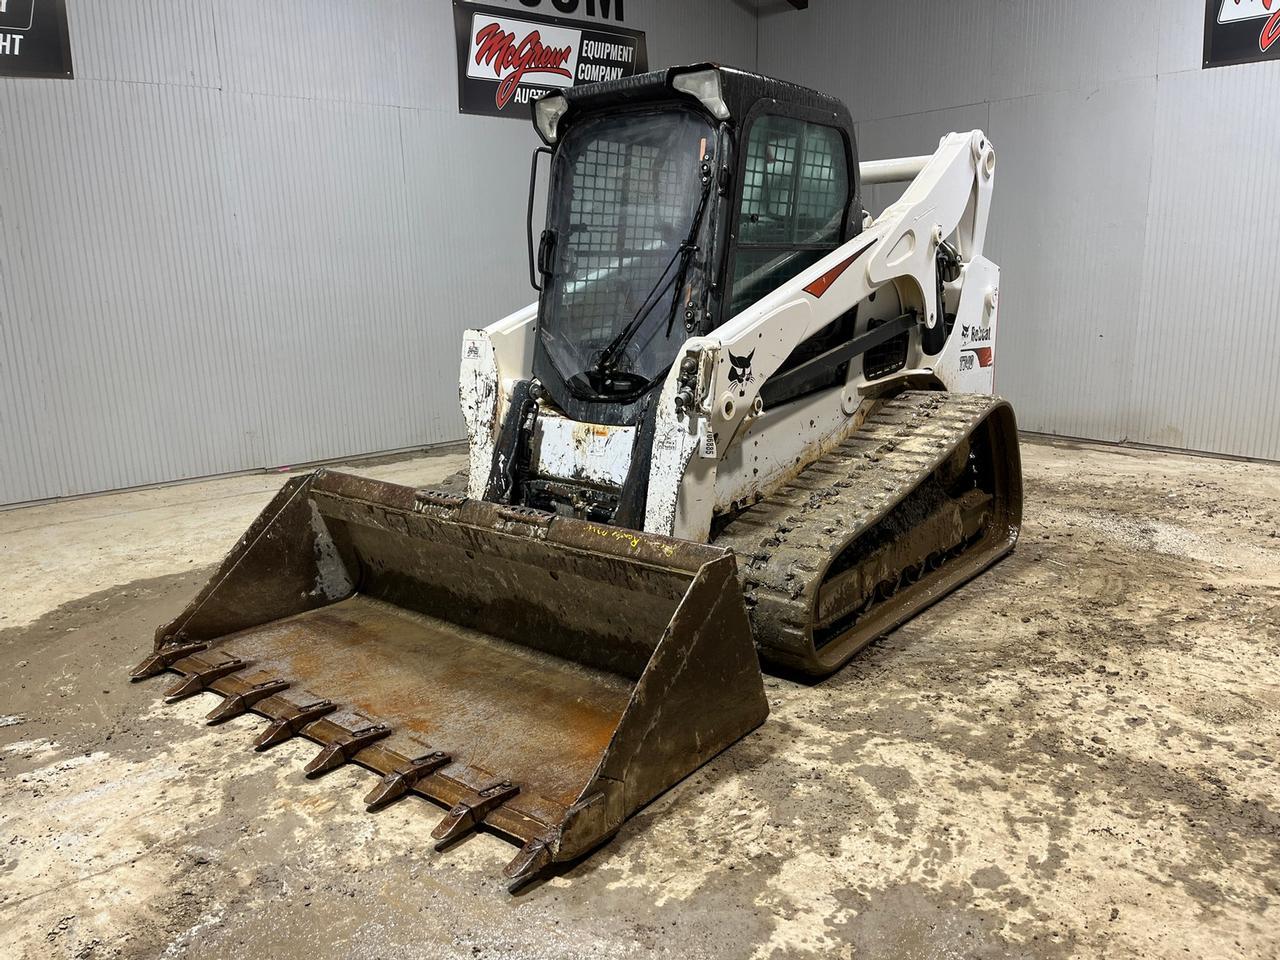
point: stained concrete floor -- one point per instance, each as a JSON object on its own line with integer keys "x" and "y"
{"x": 1076, "y": 755}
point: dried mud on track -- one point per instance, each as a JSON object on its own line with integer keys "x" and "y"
{"x": 1078, "y": 754}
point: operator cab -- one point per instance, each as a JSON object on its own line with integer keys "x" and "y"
{"x": 676, "y": 199}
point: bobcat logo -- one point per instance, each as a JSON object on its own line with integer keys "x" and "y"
{"x": 740, "y": 371}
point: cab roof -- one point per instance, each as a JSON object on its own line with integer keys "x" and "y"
{"x": 741, "y": 90}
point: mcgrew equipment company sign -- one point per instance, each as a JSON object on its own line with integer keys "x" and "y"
{"x": 1241, "y": 31}
{"x": 507, "y": 57}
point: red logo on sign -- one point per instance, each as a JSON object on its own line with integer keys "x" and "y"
{"x": 500, "y": 50}
{"x": 1271, "y": 29}
{"x": 1231, "y": 11}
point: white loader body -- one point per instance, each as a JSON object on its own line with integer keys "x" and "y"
{"x": 726, "y": 448}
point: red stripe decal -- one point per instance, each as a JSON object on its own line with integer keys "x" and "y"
{"x": 824, "y": 282}
{"x": 820, "y": 286}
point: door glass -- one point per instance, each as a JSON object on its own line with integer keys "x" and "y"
{"x": 794, "y": 192}
{"x": 626, "y": 191}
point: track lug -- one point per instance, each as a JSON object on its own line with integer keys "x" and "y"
{"x": 162, "y": 659}
{"x": 400, "y": 781}
{"x": 466, "y": 815}
{"x": 335, "y": 754}
{"x": 200, "y": 680}
{"x": 286, "y": 728}
{"x": 240, "y": 703}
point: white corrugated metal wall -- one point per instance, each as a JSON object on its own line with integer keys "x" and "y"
{"x": 249, "y": 234}
{"x": 1135, "y": 206}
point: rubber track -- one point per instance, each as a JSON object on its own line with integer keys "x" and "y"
{"x": 786, "y": 542}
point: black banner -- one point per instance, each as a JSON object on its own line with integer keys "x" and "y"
{"x": 1241, "y": 31}
{"x": 507, "y": 57}
{"x": 33, "y": 39}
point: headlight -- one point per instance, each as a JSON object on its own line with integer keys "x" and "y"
{"x": 547, "y": 112}
{"x": 705, "y": 85}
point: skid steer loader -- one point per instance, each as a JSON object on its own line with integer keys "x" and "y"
{"x": 744, "y": 421}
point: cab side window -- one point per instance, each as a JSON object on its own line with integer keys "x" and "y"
{"x": 794, "y": 192}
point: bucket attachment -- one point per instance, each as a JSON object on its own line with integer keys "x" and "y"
{"x": 541, "y": 676}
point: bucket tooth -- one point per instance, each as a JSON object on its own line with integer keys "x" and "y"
{"x": 240, "y": 703}
{"x": 288, "y": 727}
{"x": 340, "y": 751}
{"x": 402, "y": 779}
{"x": 200, "y": 679}
{"x": 467, "y": 814}
{"x": 532, "y": 859}
{"x": 162, "y": 659}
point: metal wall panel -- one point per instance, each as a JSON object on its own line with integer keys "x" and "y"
{"x": 237, "y": 205}
{"x": 119, "y": 359}
{"x": 1067, "y": 222}
{"x": 1208, "y": 331}
{"x": 1181, "y": 36}
{"x": 321, "y": 49}
{"x": 316, "y": 192}
{"x": 1133, "y": 199}
{"x": 145, "y": 41}
{"x": 722, "y": 31}
{"x": 1046, "y": 46}
{"x": 884, "y": 58}
{"x": 250, "y": 234}
{"x": 470, "y": 260}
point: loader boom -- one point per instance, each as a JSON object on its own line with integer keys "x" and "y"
{"x": 949, "y": 198}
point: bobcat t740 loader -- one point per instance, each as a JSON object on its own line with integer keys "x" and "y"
{"x": 744, "y": 421}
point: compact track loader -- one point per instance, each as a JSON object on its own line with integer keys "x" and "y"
{"x": 744, "y": 421}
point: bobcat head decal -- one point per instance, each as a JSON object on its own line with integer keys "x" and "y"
{"x": 740, "y": 369}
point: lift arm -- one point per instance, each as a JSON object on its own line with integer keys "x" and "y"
{"x": 708, "y": 396}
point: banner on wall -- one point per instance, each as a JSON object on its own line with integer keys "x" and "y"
{"x": 1241, "y": 31}
{"x": 506, "y": 57}
{"x": 33, "y": 39}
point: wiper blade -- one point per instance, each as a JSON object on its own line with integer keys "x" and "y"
{"x": 608, "y": 356}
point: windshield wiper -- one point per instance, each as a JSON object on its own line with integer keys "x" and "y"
{"x": 606, "y": 365}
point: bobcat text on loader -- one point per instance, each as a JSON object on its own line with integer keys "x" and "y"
{"x": 745, "y": 421}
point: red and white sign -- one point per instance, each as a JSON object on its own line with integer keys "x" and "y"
{"x": 1241, "y": 31}
{"x": 1233, "y": 11}
{"x": 506, "y": 60}
{"x": 514, "y": 52}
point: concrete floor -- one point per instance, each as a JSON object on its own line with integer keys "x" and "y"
{"x": 1076, "y": 755}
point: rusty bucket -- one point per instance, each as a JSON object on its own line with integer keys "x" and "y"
{"x": 540, "y": 676}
